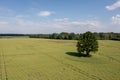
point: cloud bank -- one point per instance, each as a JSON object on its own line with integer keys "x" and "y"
{"x": 114, "y": 6}
{"x": 116, "y": 19}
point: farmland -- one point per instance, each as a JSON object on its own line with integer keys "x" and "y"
{"x": 45, "y": 59}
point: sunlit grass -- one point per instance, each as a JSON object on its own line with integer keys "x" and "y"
{"x": 44, "y": 59}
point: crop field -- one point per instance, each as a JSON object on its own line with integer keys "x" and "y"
{"x": 44, "y": 59}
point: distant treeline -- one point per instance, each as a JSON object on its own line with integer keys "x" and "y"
{"x": 13, "y": 34}
{"x": 68, "y": 36}
{"x": 107, "y": 36}
{"x": 47, "y": 36}
{"x": 62, "y": 35}
{"x": 73, "y": 36}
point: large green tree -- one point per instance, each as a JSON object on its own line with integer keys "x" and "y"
{"x": 87, "y": 43}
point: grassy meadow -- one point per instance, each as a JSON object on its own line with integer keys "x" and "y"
{"x": 44, "y": 59}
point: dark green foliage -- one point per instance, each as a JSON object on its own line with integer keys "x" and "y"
{"x": 87, "y": 43}
{"x": 54, "y": 36}
{"x": 46, "y": 36}
{"x": 116, "y": 39}
{"x": 107, "y": 36}
{"x": 72, "y": 36}
{"x": 64, "y": 36}
{"x": 67, "y": 36}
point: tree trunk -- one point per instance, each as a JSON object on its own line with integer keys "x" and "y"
{"x": 87, "y": 53}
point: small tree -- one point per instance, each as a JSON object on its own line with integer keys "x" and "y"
{"x": 87, "y": 43}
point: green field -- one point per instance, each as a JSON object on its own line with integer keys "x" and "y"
{"x": 43, "y": 59}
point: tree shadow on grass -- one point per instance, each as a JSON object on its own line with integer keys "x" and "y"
{"x": 76, "y": 54}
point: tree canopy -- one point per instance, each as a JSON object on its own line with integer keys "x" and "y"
{"x": 87, "y": 42}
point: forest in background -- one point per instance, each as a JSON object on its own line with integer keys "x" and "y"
{"x": 66, "y": 36}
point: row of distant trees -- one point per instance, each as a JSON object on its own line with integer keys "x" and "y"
{"x": 107, "y": 36}
{"x": 64, "y": 35}
{"x": 73, "y": 36}
{"x": 69, "y": 36}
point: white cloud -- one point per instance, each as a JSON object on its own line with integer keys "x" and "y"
{"x": 113, "y": 6}
{"x": 44, "y": 13}
{"x": 61, "y": 20}
{"x": 28, "y": 24}
{"x": 23, "y": 25}
{"x": 86, "y": 23}
{"x": 66, "y": 22}
{"x": 116, "y": 19}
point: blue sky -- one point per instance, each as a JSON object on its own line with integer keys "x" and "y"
{"x": 48, "y": 16}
